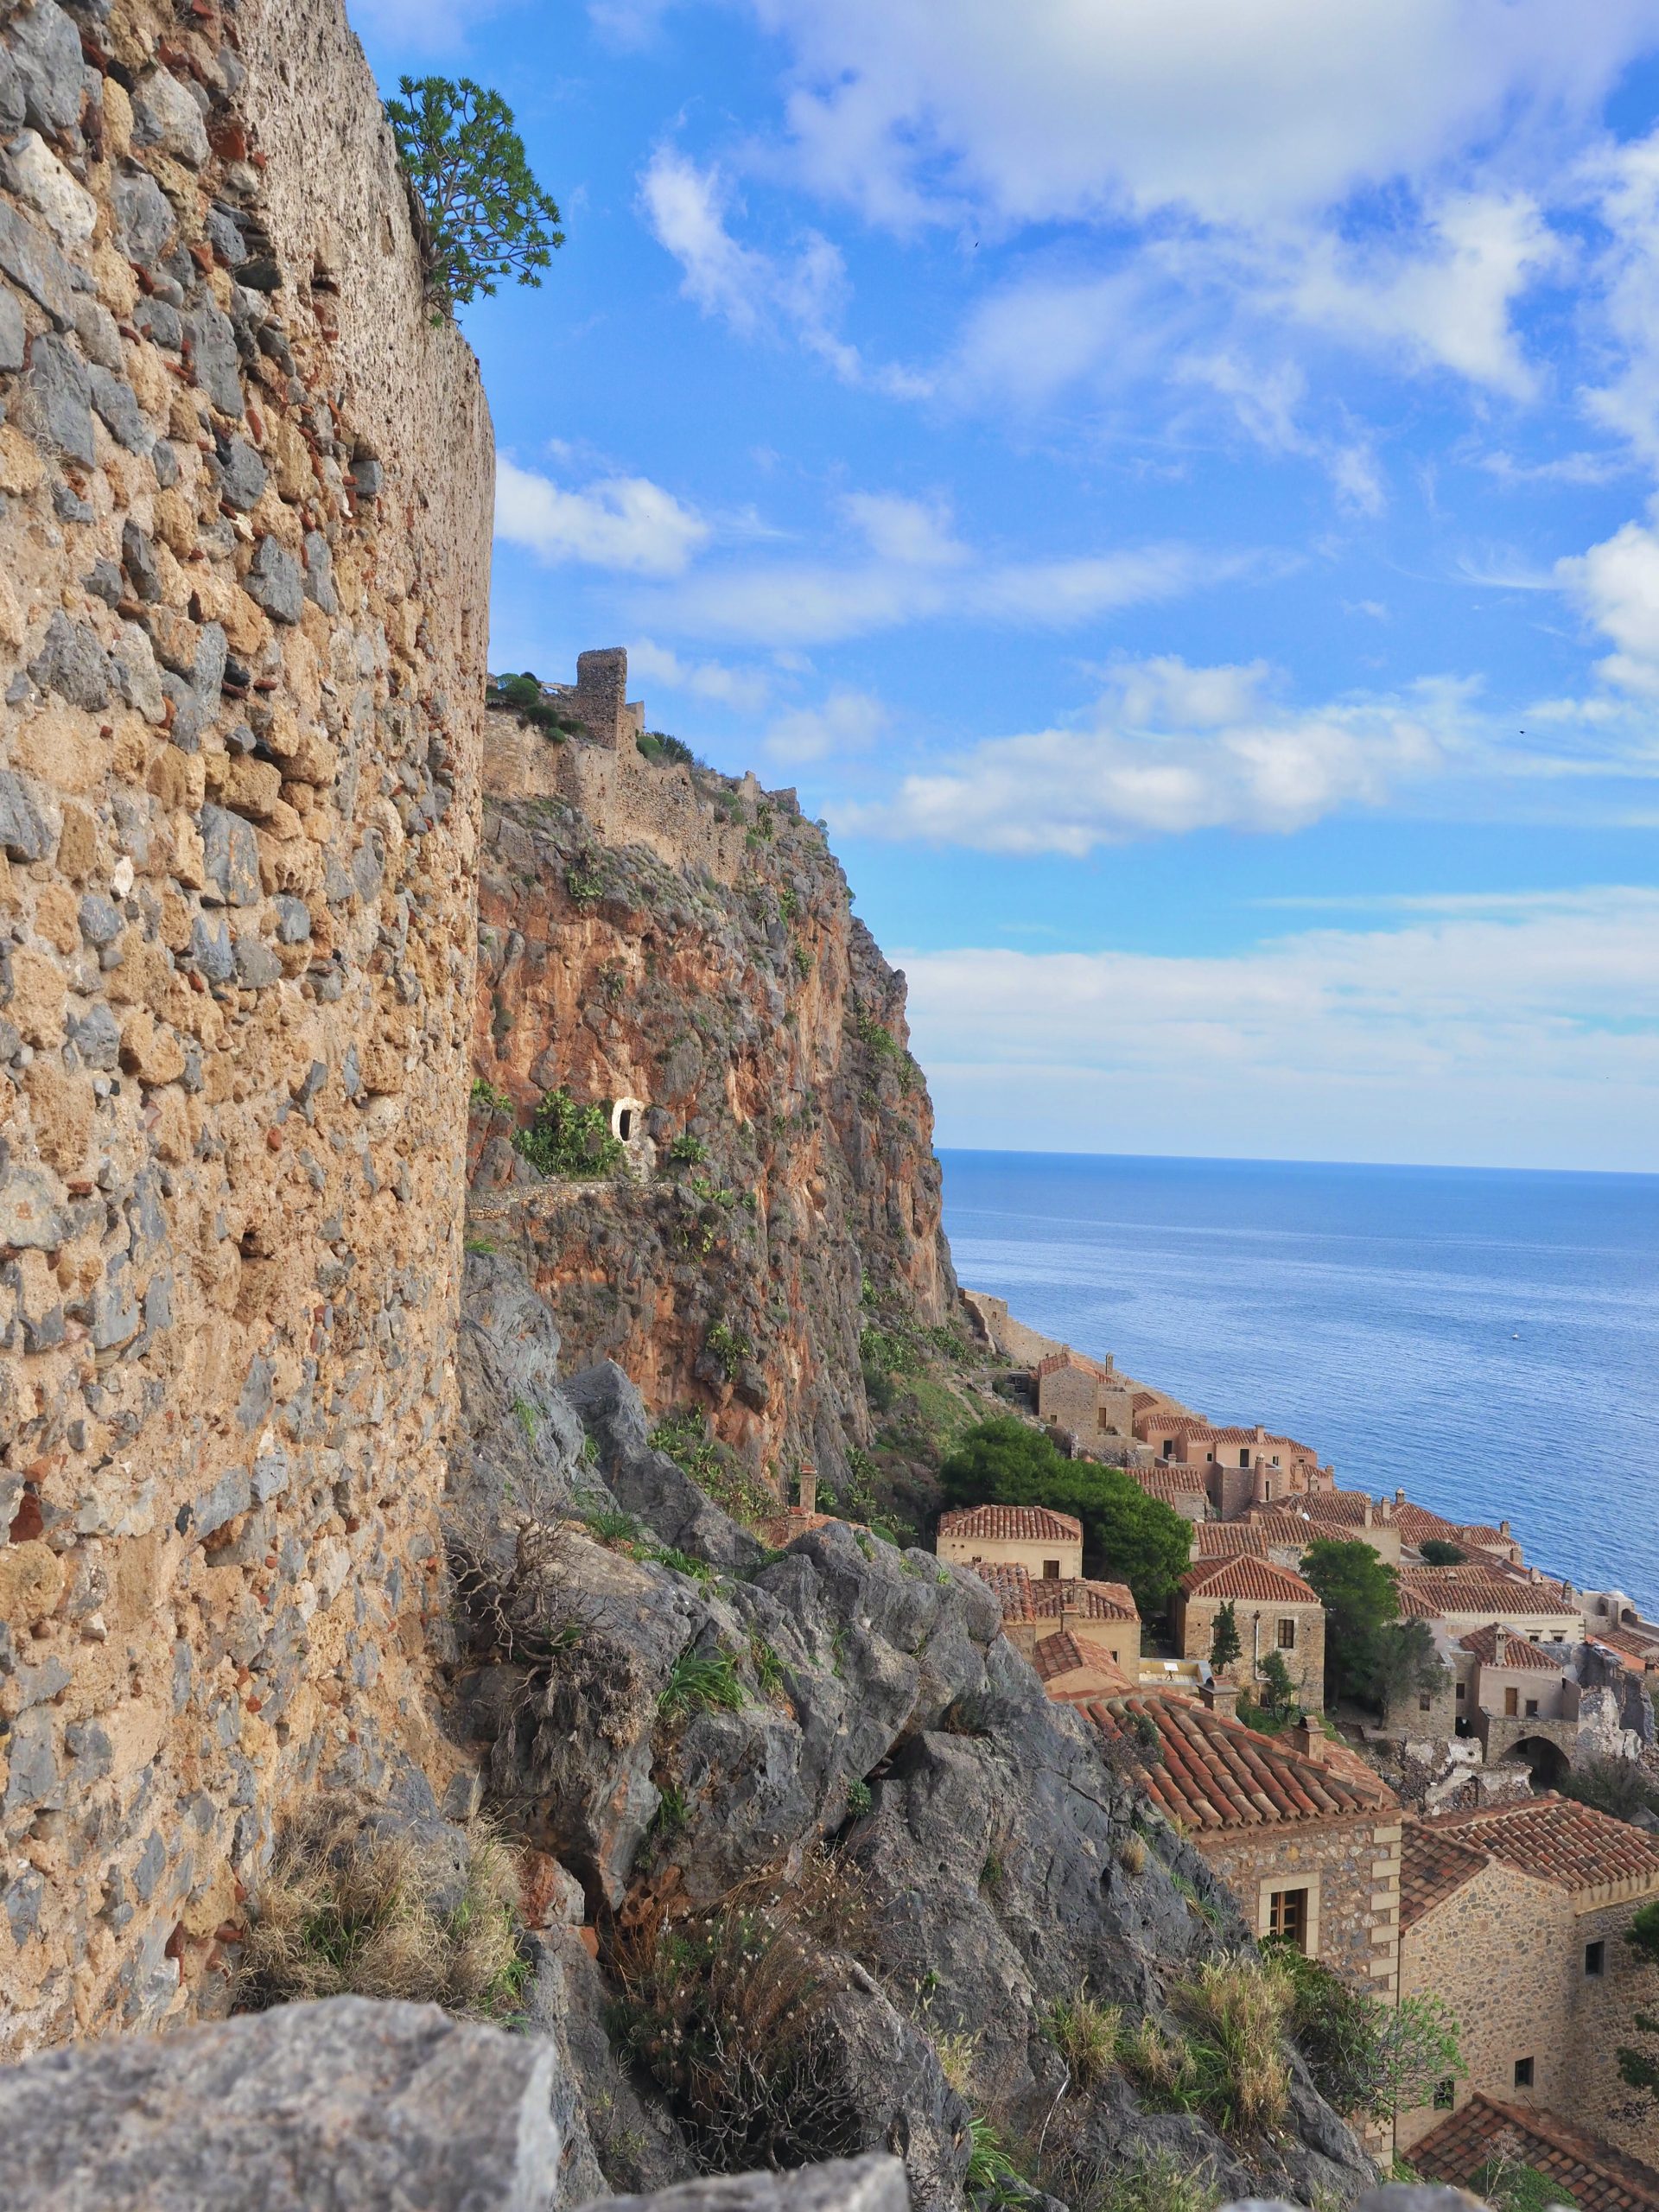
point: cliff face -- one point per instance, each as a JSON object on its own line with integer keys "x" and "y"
{"x": 653, "y": 933}
{"x": 243, "y": 555}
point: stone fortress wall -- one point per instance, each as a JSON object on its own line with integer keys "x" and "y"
{"x": 686, "y": 819}
{"x": 245, "y": 506}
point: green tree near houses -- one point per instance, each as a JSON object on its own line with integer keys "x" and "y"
{"x": 486, "y": 218}
{"x": 1361, "y": 1597}
{"x": 1225, "y": 1646}
{"x": 1638, "y": 2067}
{"x": 1133, "y": 1538}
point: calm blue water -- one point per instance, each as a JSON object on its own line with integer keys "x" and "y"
{"x": 1488, "y": 1341}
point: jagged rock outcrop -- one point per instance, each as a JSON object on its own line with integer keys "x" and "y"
{"x": 837, "y": 1751}
{"x": 754, "y": 1017}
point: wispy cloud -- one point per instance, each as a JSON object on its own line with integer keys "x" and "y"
{"x": 625, "y": 522}
{"x": 1169, "y": 749}
{"x": 1528, "y": 1031}
{"x": 848, "y": 721}
{"x": 746, "y": 690}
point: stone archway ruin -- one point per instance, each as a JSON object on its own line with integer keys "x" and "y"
{"x": 628, "y": 1119}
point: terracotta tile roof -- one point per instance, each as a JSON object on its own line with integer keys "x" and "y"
{"x": 1517, "y": 1652}
{"x": 1417, "y": 1525}
{"x": 1098, "y": 1601}
{"x": 1427, "y": 1592}
{"x": 1244, "y": 1577}
{"x": 1216, "y": 1774}
{"x": 1640, "y": 1650}
{"x": 1012, "y": 1523}
{"x": 1478, "y": 1532}
{"x": 1066, "y": 1654}
{"x": 1227, "y": 1539}
{"x": 1009, "y": 1586}
{"x": 1592, "y": 2173}
{"x": 1432, "y": 1865}
{"x": 1143, "y": 1400}
{"x": 1349, "y": 1507}
{"x": 1263, "y": 1437}
{"x": 1285, "y": 1526}
{"x": 1169, "y": 1482}
{"x": 1573, "y": 1846}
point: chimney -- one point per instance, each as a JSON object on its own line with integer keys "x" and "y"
{"x": 809, "y": 1487}
{"x": 1500, "y": 1649}
{"x": 1307, "y": 1738}
{"x": 1399, "y": 1498}
{"x": 1502, "y": 1528}
{"x": 1221, "y": 1697}
{"x": 1365, "y": 1517}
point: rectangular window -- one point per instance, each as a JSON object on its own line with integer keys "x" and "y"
{"x": 1050, "y": 1570}
{"x": 1287, "y": 1916}
{"x": 1243, "y": 1459}
{"x": 1446, "y": 2095}
{"x": 1463, "y": 1692}
{"x": 1424, "y": 1702}
{"x": 1511, "y": 1704}
{"x": 1595, "y": 1958}
{"x": 1523, "y": 2073}
{"x": 1286, "y": 1636}
{"x": 1532, "y": 1708}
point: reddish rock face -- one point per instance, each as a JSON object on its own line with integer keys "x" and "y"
{"x": 784, "y": 1154}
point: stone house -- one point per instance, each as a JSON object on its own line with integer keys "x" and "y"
{"x": 1342, "y": 1516}
{"x": 1182, "y": 1489}
{"x": 1468, "y": 1598}
{"x": 1033, "y": 1609}
{"x": 1049, "y": 1546}
{"x": 1072, "y": 1668}
{"x": 1513, "y": 1914}
{"x": 1241, "y": 1466}
{"x": 1082, "y": 1397}
{"x": 1276, "y": 1610}
{"x": 1585, "y": 2170}
{"x": 1302, "y": 1833}
{"x": 1516, "y": 1690}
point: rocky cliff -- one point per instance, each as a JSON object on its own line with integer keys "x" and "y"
{"x": 667, "y": 936}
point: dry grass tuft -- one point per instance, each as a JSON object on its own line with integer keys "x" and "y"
{"x": 346, "y": 1911}
{"x": 1132, "y": 1853}
{"x": 1228, "y": 2062}
{"x": 957, "y": 2054}
{"x": 1085, "y": 2033}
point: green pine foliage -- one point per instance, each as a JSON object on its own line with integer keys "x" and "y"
{"x": 486, "y": 217}
{"x": 566, "y": 1138}
{"x": 1133, "y": 1538}
{"x": 1225, "y": 1646}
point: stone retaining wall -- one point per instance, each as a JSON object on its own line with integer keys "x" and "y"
{"x": 245, "y": 500}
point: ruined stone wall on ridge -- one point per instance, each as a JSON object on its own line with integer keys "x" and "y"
{"x": 244, "y": 500}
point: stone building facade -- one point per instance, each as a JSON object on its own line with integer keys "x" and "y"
{"x": 244, "y": 568}
{"x": 1514, "y": 1916}
{"x": 1305, "y": 1836}
{"x": 1275, "y": 1610}
{"x": 1081, "y": 1397}
{"x": 1049, "y": 1546}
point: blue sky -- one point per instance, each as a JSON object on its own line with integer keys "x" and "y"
{"x": 1173, "y": 483}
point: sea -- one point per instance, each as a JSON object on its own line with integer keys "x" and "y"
{"x": 1486, "y": 1340}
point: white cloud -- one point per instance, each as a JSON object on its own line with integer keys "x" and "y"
{"x": 913, "y": 532}
{"x": 1616, "y": 586}
{"x": 1625, "y": 187}
{"x": 1170, "y": 749}
{"x": 1522, "y": 1030}
{"x": 1446, "y": 295}
{"x": 626, "y": 522}
{"x": 803, "y": 292}
{"x": 744, "y": 689}
{"x": 1058, "y": 109}
{"x": 808, "y": 603}
{"x": 847, "y": 721}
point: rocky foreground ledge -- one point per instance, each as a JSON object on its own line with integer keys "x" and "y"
{"x": 351, "y": 2105}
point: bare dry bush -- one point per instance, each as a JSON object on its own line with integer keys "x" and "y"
{"x": 348, "y": 1909}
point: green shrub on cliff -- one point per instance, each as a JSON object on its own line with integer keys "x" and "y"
{"x": 486, "y": 217}
{"x": 566, "y": 1138}
{"x": 1135, "y": 1538}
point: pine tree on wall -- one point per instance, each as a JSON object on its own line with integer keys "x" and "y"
{"x": 1225, "y": 1646}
